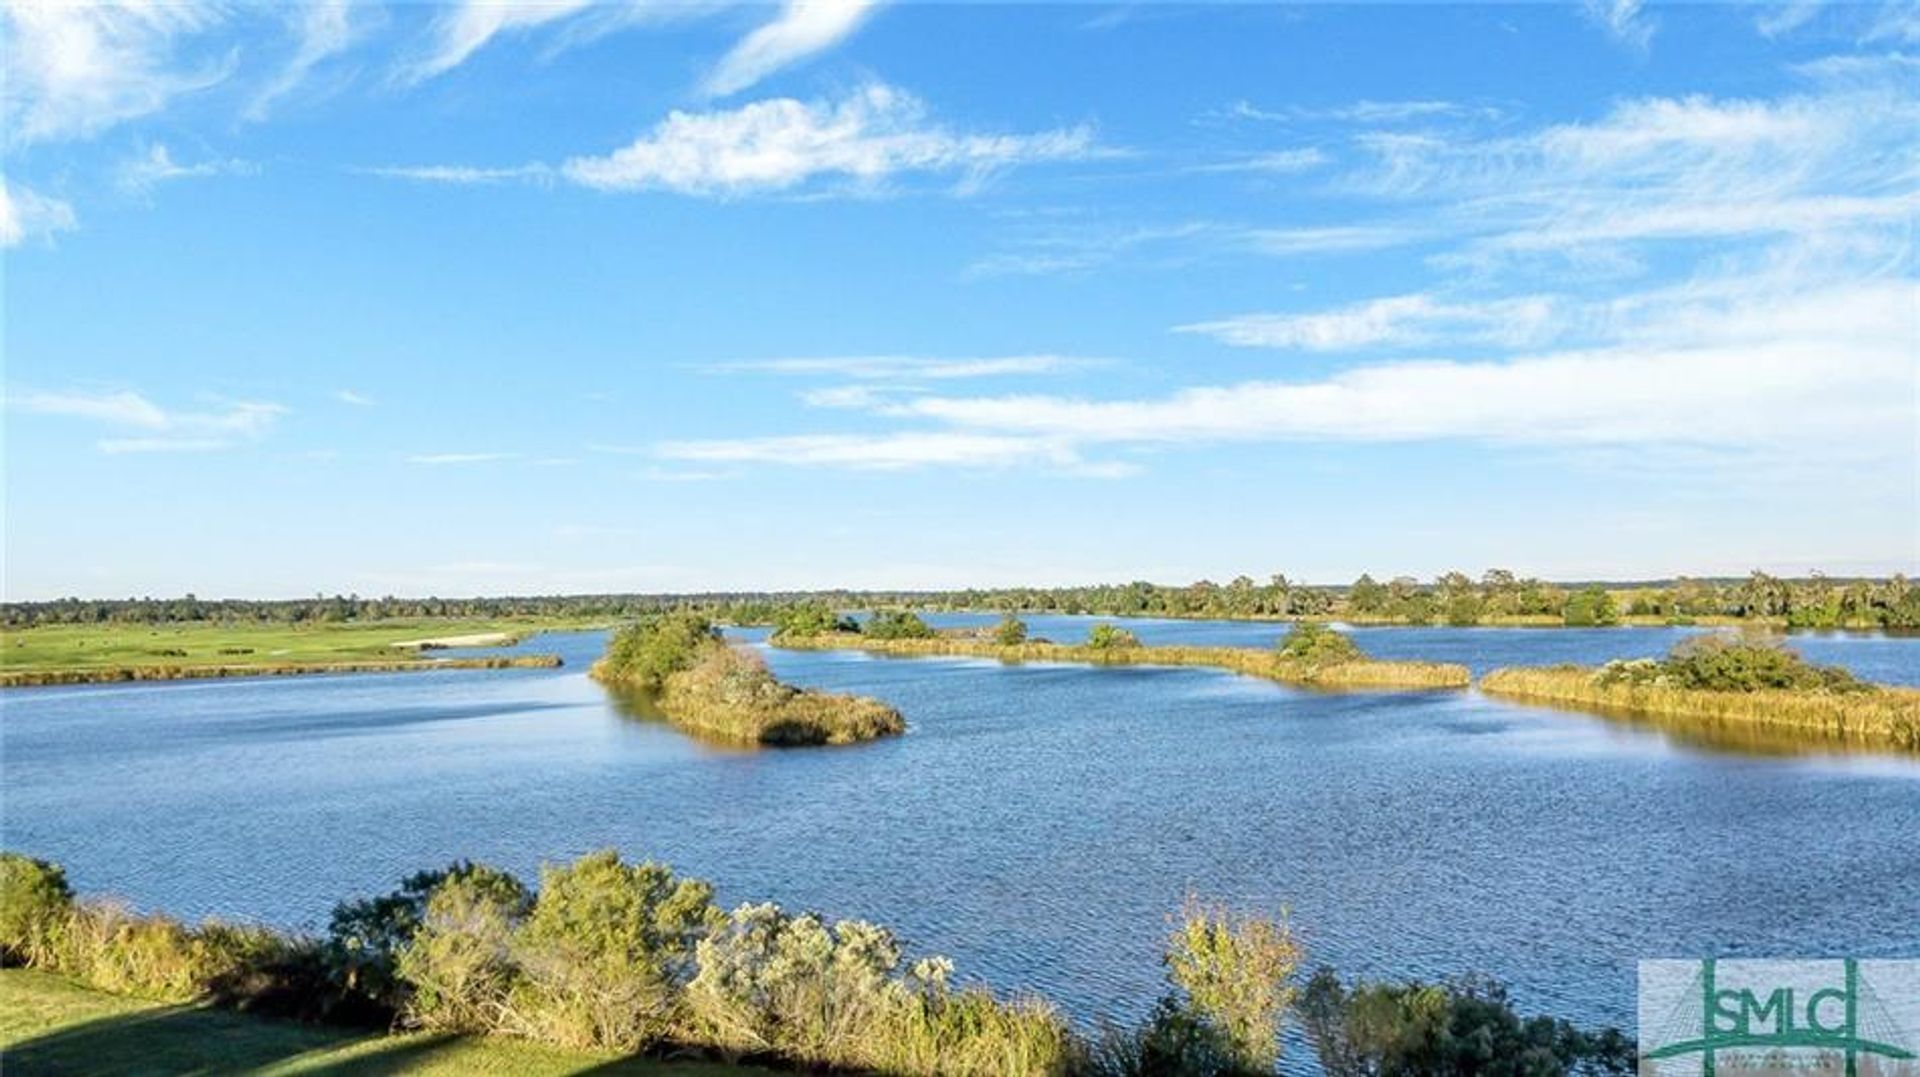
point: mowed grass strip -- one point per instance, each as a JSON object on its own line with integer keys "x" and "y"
{"x": 50, "y": 1026}
{"x": 52, "y": 648}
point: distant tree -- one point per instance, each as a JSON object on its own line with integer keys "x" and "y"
{"x": 1010, "y": 632}
{"x": 896, "y": 624}
{"x": 1366, "y": 596}
{"x": 1591, "y": 606}
{"x": 1108, "y": 637}
{"x": 1316, "y": 644}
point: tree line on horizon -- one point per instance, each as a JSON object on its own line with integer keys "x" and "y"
{"x": 1498, "y": 595}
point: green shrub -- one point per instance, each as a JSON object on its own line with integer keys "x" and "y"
{"x": 1231, "y": 972}
{"x": 458, "y": 965}
{"x": 646, "y": 653}
{"x": 1314, "y": 644}
{"x": 1172, "y": 1042}
{"x": 1010, "y": 632}
{"x": 606, "y": 952}
{"x": 1111, "y": 637}
{"x": 35, "y": 902}
{"x": 896, "y": 624}
{"x": 1590, "y": 606}
{"x": 793, "y": 985}
{"x": 365, "y": 936}
{"x": 1466, "y": 1026}
{"x": 1720, "y": 663}
{"x": 808, "y": 619}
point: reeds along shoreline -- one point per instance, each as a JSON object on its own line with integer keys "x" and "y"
{"x": 1254, "y": 662}
{"x": 1884, "y": 717}
{"x": 116, "y": 674}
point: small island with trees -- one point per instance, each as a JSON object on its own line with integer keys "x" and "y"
{"x": 708, "y": 687}
{"x": 1311, "y": 655}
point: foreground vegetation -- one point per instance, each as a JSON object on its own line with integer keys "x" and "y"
{"x": 50, "y": 1025}
{"x": 1312, "y": 654}
{"x": 1496, "y": 597}
{"x": 702, "y": 684}
{"x": 77, "y": 654}
{"x": 632, "y": 960}
{"x": 1717, "y": 686}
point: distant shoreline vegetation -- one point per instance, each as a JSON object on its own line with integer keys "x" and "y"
{"x": 1312, "y": 655}
{"x": 117, "y": 674}
{"x": 709, "y": 687}
{"x": 1713, "y": 686}
{"x": 1498, "y": 597}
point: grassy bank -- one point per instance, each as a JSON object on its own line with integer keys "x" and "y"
{"x": 703, "y": 685}
{"x": 49, "y": 1025}
{"x": 112, "y": 674}
{"x": 1886, "y": 717}
{"x": 86, "y": 654}
{"x": 1363, "y": 673}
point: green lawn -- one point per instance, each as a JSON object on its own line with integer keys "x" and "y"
{"x": 50, "y": 1026}
{"x": 65, "y": 647}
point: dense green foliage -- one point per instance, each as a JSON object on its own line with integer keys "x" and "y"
{"x": 1106, "y": 637}
{"x": 613, "y": 955}
{"x": 1719, "y": 663}
{"x": 645, "y": 653}
{"x": 804, "y": 620}
{"x": 1467, "y": 1026}
{"x": 365, "y": 936}
{"x": 34, "y": 902}
{"x": 1499, "y": 595}
{"x": 896, "y": 624}
{"x": 1314, "y": 644}
{"x": 1010, "y": 632}
{"x": 1590, "y": 607}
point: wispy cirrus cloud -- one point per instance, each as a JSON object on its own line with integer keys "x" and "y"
{"x": 877, "y": 452}
{"x": 1396, "y": 320}
{"x": 156, "y": 165}
{"x": 454, "y": 459}
{"x": 866, "y": 139}
{"x": 26, "y": 214}
{"x": 158, "y": 429}
{"x": 465, "y": 27}
{"x": 322, "y": 29}
{"x": 76, "y": 69}
{"x": 911, "y": 367}
{"x": 801, "y": 29}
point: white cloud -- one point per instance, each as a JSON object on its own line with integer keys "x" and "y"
{"x": 358, "y": 400}
{"x": 1364, "y": 112}
{"x": 1286, "y": 242}
{"x": 1829, "y": 371}
{"x": 465, "y": 27}
{"x": 873, "y": 134}
{"x": 75, "y": 69}
{"x": 444, "y": 459}
{"x": 463, "y": 175}
{"x": 876, "y": 367}
{"x": 802, "y": 28}
{"x": 175, "y": 431}
{"x": 1397, "y": 320}
{"x": 876, "y": 452}
{"x": 1276, "y": 163}
{"x": 26, "y": 214}
{"x": 324, "y": 28}
{"x": 1623, "y": 19}
{"x": 157, "y": 166}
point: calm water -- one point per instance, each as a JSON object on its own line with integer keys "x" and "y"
{"x": 1037, "y": 823}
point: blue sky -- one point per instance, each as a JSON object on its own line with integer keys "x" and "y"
{"x": 473, "y": 298}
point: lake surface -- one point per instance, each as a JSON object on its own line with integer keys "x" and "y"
{"x": 1038, "y": 823}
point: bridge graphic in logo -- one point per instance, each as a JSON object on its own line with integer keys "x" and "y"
{"x": 1712, "y": 1017}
